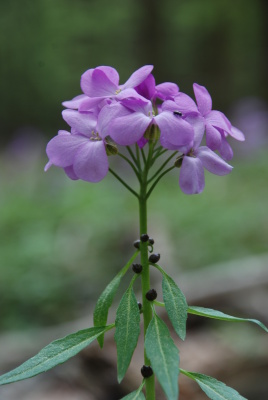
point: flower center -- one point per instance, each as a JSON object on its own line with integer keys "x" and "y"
{"x": 117, "y": 91}
{"x": 95, "y": 136}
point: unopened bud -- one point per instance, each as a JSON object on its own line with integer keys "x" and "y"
{"x": 140, "y": 306}
{"x": 152, "y": 132}
{"x": 178, "y": 162}
{"x": 151, "y": 240}
{"x": 111, "y": 149}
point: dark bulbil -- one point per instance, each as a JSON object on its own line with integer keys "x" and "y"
{"x": 146, "y": 371}
{"x": 137, "y": 244}
{"x": 144, "y": 237}
{"x": 151, "y": 240}
{"x": 154, "y": 258}
{"x": 137, "y": 268}
{"x": 140, "y": 306}
{"x": 151, "y": 295}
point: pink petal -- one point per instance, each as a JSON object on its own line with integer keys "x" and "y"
{"x": 107, "y": 115}
{"x": 111, "y": 73}
{"x": 203, "y": 99}
{"x": 138, "y": 77}
{"x": 89, "y": 103}
{"x": 225, "y": 150}
{"x": 175, "y": 130}
{"x": 218, "y": 120}
{"x": 197, "y": 122}
{"x": 237, "y": 134}
{"x": 213, "y": 137}
{"x": 192, "y": 177}
{"x": 97, "y": 84}
{"x": 75, "y": 102}
{"x": 185, "y": 104}
{"x": 82, "y": 122}
{"x": 69, "y": 171}
{"x": 62, "y": 149}
{"x": 166, "y": 90}
{"x": 129, "y": 129}
{"x": 212, "y": 162}
{"x": 147, "y": 87}
{"x": 91, "y": 162}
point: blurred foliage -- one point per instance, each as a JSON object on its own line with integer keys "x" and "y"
{"x": 46, "y": 45}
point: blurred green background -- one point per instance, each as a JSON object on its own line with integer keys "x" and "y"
{"x": 62, "y": 241}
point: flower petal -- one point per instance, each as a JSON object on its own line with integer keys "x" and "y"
{"x": 95, "y": 83}
{"x": 89, "y": 103}
{"x": 82, "y": 122}
{"x": 166, "y": 90}
{"x": 197, "y": 122}
{"x": 91, "y": 162}
{"x": 147, "y": 87}
{"x": 213, "y": 137}
{"x": 129, "y": 129}
{"x": 225, "y": 150}
{"x": 138, "y": 77}
{"x": 237, "y": 134}
{"x": 212, "y": 162}
{"x": 175, "y": 130}
{"x": 75, "y": 102}
{"x": 185, "y": 104}
{"x": 218, "y": 120}
{"x": 192, "y": 177}
{"x": 107, "y": 115}
{"x": 69, "y": 171}
{"x": 203, "y": 99}
{"x": 62, "y": 149}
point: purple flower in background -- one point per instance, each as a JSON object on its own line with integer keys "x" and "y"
{"x": 82, "y": 152}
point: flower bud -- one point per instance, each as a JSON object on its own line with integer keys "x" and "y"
{"x": 144, "y": 237}
{"x": 137, "y": 244}
{"x": 178, "y": 161}
{"x": 154, "y": 258}
{"x": 111, "y": 148}
{"x": 137, "y": 268}
{"x": 140, "y": 306}
{"x": 152, "y": 132}
{"x": 151, "y": 295}
{"x": 146, "y": 371}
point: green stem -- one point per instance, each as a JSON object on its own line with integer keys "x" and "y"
{"x": 145, "y": 276}
{"x": 157, "y": 180}
{"x": 123, "y": 183}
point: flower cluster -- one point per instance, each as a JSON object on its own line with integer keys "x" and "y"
{"x": 108, "y": 114}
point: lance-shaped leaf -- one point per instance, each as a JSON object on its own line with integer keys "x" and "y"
{"x": 136, "y": 395}
{"x": 106, "y": 298}
{"x": 175, "y": 304}
{"x": 55, "y": 353}
{"x": 213, "y": 388}
{"x": 164, "y": 356}
{"x": 127, "y": 330}
{"x": 209, "y": 313}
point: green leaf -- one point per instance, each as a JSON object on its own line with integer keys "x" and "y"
{"x": 175, "y": 304}
{"x": 106, "y": 298}
{"x": 214, "y": 389}
{"x": 127, "y": 330}
{"x": 137, "y": 395}
{"x": 209, "y": 313}
{"x": 134, "y": 396}
{"x": 55, "y": 353}
{"x": 164, "y": 356}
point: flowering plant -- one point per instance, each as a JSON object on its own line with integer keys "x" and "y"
{"x": 148, "y": 120}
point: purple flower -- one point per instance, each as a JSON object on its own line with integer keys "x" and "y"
{"x": 103, "y": 83}
{"x": 216, "y": 124}
{"x": 132, "y": 117}
{"x": 195, "y": 159}
{"x": 82, "y": 152}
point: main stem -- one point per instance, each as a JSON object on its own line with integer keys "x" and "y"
{"x": 145, "y": 277}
